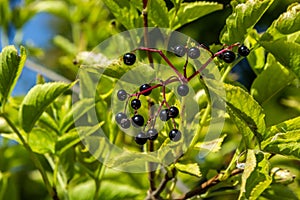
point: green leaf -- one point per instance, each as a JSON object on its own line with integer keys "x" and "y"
{"x": 243, "y": 105}
{"x": 49, "y": 122}
{"x": 11, "y": 65}
{"x": 263, "y": 90}
{"x": 189, "y": 12}
{"x": 287, "y": 23}
{"x": 78, "y": 110}
{"x": 37, "y": 100}
{"x": 125, "y": 13}
{"x": 243, "y": 19}
{"x": 74, "y": 136}
{"x": 41, "y": 141}
{"x": 286, "y": 52}
{"x": 189, "y": 168}
{"x": 255, "y": 178}
{"x": 283, "y": 127}
{"x": 287, "y": 143}
{"x": 158, "y": 13}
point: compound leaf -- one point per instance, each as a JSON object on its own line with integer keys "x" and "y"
{"x": 244, "y": 17}
{"x": 11, "y": 65}
{"x": 189, "y": 12}
{"x": 37, "y": 100}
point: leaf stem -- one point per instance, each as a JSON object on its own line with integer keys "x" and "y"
{"x": 34, "y": 158}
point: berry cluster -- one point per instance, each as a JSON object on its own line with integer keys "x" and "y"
{"x": 170, "y": 112}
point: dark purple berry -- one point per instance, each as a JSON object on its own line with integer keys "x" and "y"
{"x": 175, "y": 135}
{"x": 140, "y": 138}
{"x": 136, "y": 104}
{"x": 243, "y": 51}
{"x": 228, "y": 56}
{"x": 125, "y": 123}
{"x": 122, "y": 95}
{"x": 152, "y": 134}
{"x": 145, "y": 87}
{"x": 183, "y": 90}
{"x": 164, "y": 115}
{"x": 179, "y": 50}
{"x": 129, "y": 59}
{"x": 120, "y": 116}
{"x": 173, "y": 112}
{"x": 193, "y": 52}
{"x": 137, "y": 120}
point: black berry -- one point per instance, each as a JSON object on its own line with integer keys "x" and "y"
{"x": 140, "y": 138}
{"x": 194, "y": 53}
{"x": 136, "y": 104}
{"x": 145, "y": 87}
{"x": 183, "y": 90}
{"x": 164, "y": 115}
{"x": 152, "y": 134}
{"x": 243, "y": 51}
{"x": 179, "y": 50}
{"x": 122, "y": 95}
{"x": 173, "y": 112}
{"x": 175, "y": 135}
{"x": 137, "y": 120}
{"x": 119, "y": 117}
{"x": 228, "y": 56}
{"x": 125, "y": 123}
{"x": 129, "y": 59}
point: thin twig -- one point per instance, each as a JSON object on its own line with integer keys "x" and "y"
{"x": 146, "y": 37}
{"x": 206, "y": 185}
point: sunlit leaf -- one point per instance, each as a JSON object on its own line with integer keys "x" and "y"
{"x": 158, "y": 13}
{"x": 37, "y": 100}
{"x": 255, "y": 178}
{"x": 41, "y": 141}
{"x": 244, "y": 17}
{"x": 11, "y": 65}
{"x": 189, "y": 12}
{"x": 287, "y": 143}
{"x": 189, "y": 168}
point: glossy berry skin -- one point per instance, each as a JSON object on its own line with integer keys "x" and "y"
{"x": 173, "y": 112}
{"x": 243, "y": 51}
{"x": 228, "y": 56}
{"x": 137, "y": 120}
{"x": 193, "y": 52}
{"x": 125, "y": 123}
{"x": 179, "y": 50}
{"x": 136, "y": 104}
{"x": 164, "y": 115}
{"x": 140, "y": 138}
{"x": 145, "y": 87}
{"x": 152, "y": 134}
{"x": 175, "y": 135}
{"x": 122, "y": 95}
{"x": 129, "y": 59}
{"x": 120, "y": 116}
{"x": 183, "y": 90}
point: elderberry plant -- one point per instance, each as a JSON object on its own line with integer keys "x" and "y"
{"x": 149, "y": 103}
